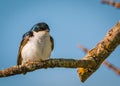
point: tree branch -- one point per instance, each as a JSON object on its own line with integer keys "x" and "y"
{"x": 106, "y": 63}
{"x": 102, "y": 50}
{"x": 51, "y": 63}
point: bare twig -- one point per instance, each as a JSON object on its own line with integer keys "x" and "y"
{"x": 111, "y": 2}
{"x": 112, "y": 67}
{"x": 83, "y": 48}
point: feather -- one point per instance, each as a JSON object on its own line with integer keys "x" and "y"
{"x": 22, "y": 44}
{"x": 52, "y": 43}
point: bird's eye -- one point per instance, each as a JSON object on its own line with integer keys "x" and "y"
{"x": 36, "y": 29}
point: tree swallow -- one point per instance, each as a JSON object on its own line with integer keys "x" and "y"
{"x": 36, "y": 45}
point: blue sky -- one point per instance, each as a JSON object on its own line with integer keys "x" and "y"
{"x": 72, "y": 22}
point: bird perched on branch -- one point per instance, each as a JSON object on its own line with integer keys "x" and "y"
{"x": 36, "y": 45}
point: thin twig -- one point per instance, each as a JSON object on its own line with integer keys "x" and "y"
{"x": 111, "y": 2}
{"x": 112, "y": 67}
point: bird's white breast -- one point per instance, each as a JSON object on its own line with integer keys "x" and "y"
{"x": 37, "y": 48}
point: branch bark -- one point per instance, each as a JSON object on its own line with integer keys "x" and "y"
{"x": 88, "y": 65}
{"x": 106, "y": 63}
{"x": 51, "y": 63}
{"x": 102, "y": 50}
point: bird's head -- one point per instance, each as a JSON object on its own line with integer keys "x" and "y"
{"x": 40, "y": 27}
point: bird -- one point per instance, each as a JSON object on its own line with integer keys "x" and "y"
{"x": 37, "y": 44}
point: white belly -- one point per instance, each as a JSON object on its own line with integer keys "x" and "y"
{"x": 37, "y": 48}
